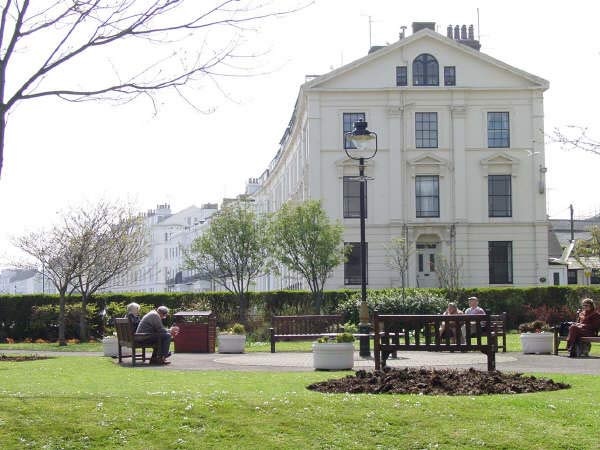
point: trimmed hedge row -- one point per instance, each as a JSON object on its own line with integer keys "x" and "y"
{"x": 36, "y": 316}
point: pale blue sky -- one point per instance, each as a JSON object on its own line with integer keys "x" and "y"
{"x": 59, "y": 154}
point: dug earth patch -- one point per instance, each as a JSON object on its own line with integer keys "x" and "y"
{"x": 436, "y": 382}
{"x": 20, "y": 358}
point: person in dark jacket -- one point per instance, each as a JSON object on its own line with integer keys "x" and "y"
{"x": 133, "y": 314}
{"x": 151, "y": 324}
{"x": 588, "y": 324}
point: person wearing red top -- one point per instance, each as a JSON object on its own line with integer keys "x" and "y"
{"x": 588, "y": 324}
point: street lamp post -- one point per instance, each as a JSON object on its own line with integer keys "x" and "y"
{"x": 365, "y": 147}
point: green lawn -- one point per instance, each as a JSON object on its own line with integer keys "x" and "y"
{"x": 82, "y": 402}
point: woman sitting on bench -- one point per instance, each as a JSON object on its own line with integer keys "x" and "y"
{"x": 448, "y": 329}
{"x": 588, "y": 323}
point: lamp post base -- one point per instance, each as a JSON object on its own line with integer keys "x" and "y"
{"x": 365, "y": 343}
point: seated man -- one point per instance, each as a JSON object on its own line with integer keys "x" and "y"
{"x": 151, "y": 324}
{"x": 588, "y": 324}
{"x": 474, "y": 308}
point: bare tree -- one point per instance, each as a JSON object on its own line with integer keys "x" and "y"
{"x": 398, "y": 252}
{"x": 449, "y": 275}
{"x": 58, "y": 254}
{"x": 165, "y": 44}
{"x": 111, "y": 240}
{"x": 576, "y": 138}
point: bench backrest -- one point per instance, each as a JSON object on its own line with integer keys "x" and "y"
{"x": 310, "y": 324}
{"x": 422, "y": 332}
{"x": 498, "y": 323}
{"x": 124, "y": 332}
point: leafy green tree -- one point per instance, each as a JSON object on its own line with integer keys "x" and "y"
{"x": 305, "y": 241}
{"x": 233, "y": 251}
{"x": 587, "y": 251}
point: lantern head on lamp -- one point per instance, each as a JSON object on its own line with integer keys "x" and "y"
{"x": 364, "y": 141}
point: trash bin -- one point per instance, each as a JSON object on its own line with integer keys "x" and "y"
{"x": 197, "y": 332}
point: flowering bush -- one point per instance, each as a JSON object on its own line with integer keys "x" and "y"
{"x": 537, "y": 326}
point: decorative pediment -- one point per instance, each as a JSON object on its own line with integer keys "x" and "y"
{"x": 428, "y": 165}
{"x": 346, "y": 167}
{"x": 500, "y": 163}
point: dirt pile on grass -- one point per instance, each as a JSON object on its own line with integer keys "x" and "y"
{"x": 436, "y": 382}
{"x": 20, "y": 358}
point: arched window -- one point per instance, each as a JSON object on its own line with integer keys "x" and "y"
{"x": 426, "y": 71}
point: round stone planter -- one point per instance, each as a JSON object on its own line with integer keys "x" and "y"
{"x": 333, "y": 356}
{"x": 231, "y": 343}
{"x": 540, "y": 343}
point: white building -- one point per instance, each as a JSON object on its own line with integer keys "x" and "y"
{"x": 459, "y": 169}
{"x": 163, "y": 269}
{"x": 23, "y": 282}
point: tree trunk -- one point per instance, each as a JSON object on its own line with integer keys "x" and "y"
{"x": 2, "y": 134}
{"x": 318, "y": 300}
{"x": 243, "y": 297}
{"x": 83, "y": 325}
{"x": 61, "y": 319}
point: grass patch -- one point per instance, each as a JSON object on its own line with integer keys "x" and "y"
{"x": 77, "y": 403}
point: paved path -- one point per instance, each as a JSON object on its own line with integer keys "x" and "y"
{"x": 302, "y": 361}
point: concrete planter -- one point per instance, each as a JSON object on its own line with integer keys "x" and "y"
{"x": 333, "y": 356}
{"x": 539, "y": 343}
{"x": 231, "y": 343}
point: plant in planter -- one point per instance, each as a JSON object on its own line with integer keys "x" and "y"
{"x": 334, "y": 353}
{"x": 536, "y": 337}
{"x": 232, "y": 340}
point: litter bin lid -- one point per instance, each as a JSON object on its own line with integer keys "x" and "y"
{"x": 193, "y": 313}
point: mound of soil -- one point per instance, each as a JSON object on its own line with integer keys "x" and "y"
{"x": 436, "y": 382}
{"x": 20, "y": 358}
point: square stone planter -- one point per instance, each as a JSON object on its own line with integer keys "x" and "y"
{"x": 538, "y": 343}
{"x": 231, "y": 343}
{"x": 333, "y": 355}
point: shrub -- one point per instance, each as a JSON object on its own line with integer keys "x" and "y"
{"x": 537, "y": 326}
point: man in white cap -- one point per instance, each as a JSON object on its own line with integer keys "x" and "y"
{"x": 152, "y": 325}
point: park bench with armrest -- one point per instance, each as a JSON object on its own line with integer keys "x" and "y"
{"x": 422, "y": 333}
{"x": 586, "y": 341}
{"x": 127, "y": 337}
{"x": 299, "y": 328}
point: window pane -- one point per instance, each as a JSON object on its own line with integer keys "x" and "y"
{"x": 449, "y": 76}
{"x": 426, "y": 130}
{"x": 425, "y": 71}
{"x": 352, "y": 268}
{"x": 401, "y": 76}
{"x": 499, "y": 196}
{"x": 352, "y": 198}
{"x": 498, "y": 130}
{"x": 500, "y": 262}
{"x": 427, "y": 196}
{"x": 349, "y": 119}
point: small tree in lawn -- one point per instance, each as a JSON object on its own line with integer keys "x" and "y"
{"x": 233, "y": 251}
{"x": 586, "y": 250}
{"x": 58, "y": 256}
{"x": 398, "y": 252}
{"x": 305, "y": 241}
{"x": 112, "y": 239}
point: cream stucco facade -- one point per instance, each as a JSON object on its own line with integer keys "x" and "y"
{"x": 311, "y": 164}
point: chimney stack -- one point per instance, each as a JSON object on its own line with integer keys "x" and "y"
{"x": 464, "y": 36}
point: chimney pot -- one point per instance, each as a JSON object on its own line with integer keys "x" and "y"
{"x": 456, "y": 32}
{"x": 449, "y": 31}
{"x": 463, "y": 32}
{"x": 471, "y": 33}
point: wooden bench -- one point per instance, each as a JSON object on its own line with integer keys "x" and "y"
{"x": 422, "y": 333}
{"x": 300, "y": 328}
{"x": 127, "y": 337}
{"x": 498, "y": 327}
{"x": 588, "y": 340}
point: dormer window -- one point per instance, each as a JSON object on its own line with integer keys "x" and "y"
{"x": 426, "y": 71}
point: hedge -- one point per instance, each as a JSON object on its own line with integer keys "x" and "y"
{"x": 35, "y": 316}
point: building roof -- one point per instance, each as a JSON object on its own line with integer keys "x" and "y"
{"x": 21, "y": 275}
